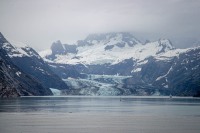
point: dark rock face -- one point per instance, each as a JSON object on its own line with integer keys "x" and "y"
{"x": 40, "y": 71}
{"x": 127, "y": 37}
{"x": 70, "y": 48}
{"x": 108, "y": 47}
{"x": 179, "y": 76}
{"x": 120, "y": 45}
{"x": 64, "y": 71}
{"x": 58, "y": 48}
{"x": 164, "y": 46}
{"x": 14, "y": 82}
{"x": 122, "y": 68}
{"x": 32, "y": 64}
{"x": 153, "y": 69}
{"x": 184, "y": 78}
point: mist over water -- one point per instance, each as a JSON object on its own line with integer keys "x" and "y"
{"x": 41, "y": 22}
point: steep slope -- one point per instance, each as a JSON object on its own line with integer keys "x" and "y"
{"x": 14, "y": 82}
{"x": 28, "y": 60}
{"x": 177, "y": 75}
{"x": 183, "y": 77}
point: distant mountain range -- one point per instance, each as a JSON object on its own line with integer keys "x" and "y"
{"x": 154, "y": 67}
{"x": 110, "y": 64}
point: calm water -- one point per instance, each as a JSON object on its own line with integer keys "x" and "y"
{"x": 100, "y": 115}
{"x": 133, "y": 105}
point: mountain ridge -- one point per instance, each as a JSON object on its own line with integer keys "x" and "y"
{"x": 111, "y": 64}
{"x": 14, "y": 82}
{"x": 146, "y": 63}
{"x": 27, "y": 59}
{"x": 110, "y": 49}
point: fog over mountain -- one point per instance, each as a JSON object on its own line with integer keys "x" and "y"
{"x": 40, "y": 22}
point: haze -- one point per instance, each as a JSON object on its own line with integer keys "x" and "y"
{"x": 38, "y": 23}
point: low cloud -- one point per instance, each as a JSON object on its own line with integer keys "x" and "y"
{"x": 41, "y": 22}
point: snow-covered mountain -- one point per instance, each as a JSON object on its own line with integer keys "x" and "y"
{"x": 149, "y": 65}
{"x": 179, "y": 75}
{"x": 101, "y": 64}
{"x": 109, "y": 48}
{"x": 30, "y": 62}
{"x": 108, "y": 54}
{"x": 15, "y": 82}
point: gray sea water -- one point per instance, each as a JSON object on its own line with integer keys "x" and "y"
{"x": 74, "y": 114}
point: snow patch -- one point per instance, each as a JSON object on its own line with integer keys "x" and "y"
{"x": 166, "y": 86}
{"x": 45, "y": 53}
{"x": 53, "y": 66}
{"x": 142, "y": 62}
{"x": 164, "y": 76}
{"x": 21, "y": 51}
{"x": 171, "y": 54}
{"x": 55, "y": 92}
{"x": 136, "y": 70}
{"x": 18, "y": 73}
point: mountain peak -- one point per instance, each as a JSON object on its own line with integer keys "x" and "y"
{"x": 58, "y": 48}
{"x": 58, "y": 42}
{"x": 1, "y": 34}
{"x": 166, "y": 43}
{"x": 2, "y": 38}
{"x": 112, "y": 39}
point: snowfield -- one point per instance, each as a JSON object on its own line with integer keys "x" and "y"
{"x": 20, "y": 51}
{"x": 96, "y": 53}
{"x": 114, "y": 50}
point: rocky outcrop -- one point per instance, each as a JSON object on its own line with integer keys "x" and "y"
{"x": 14, "y": 82}
{"x": 30, "y": 62}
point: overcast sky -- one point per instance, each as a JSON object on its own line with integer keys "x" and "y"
{"x": 40, "y": 22}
